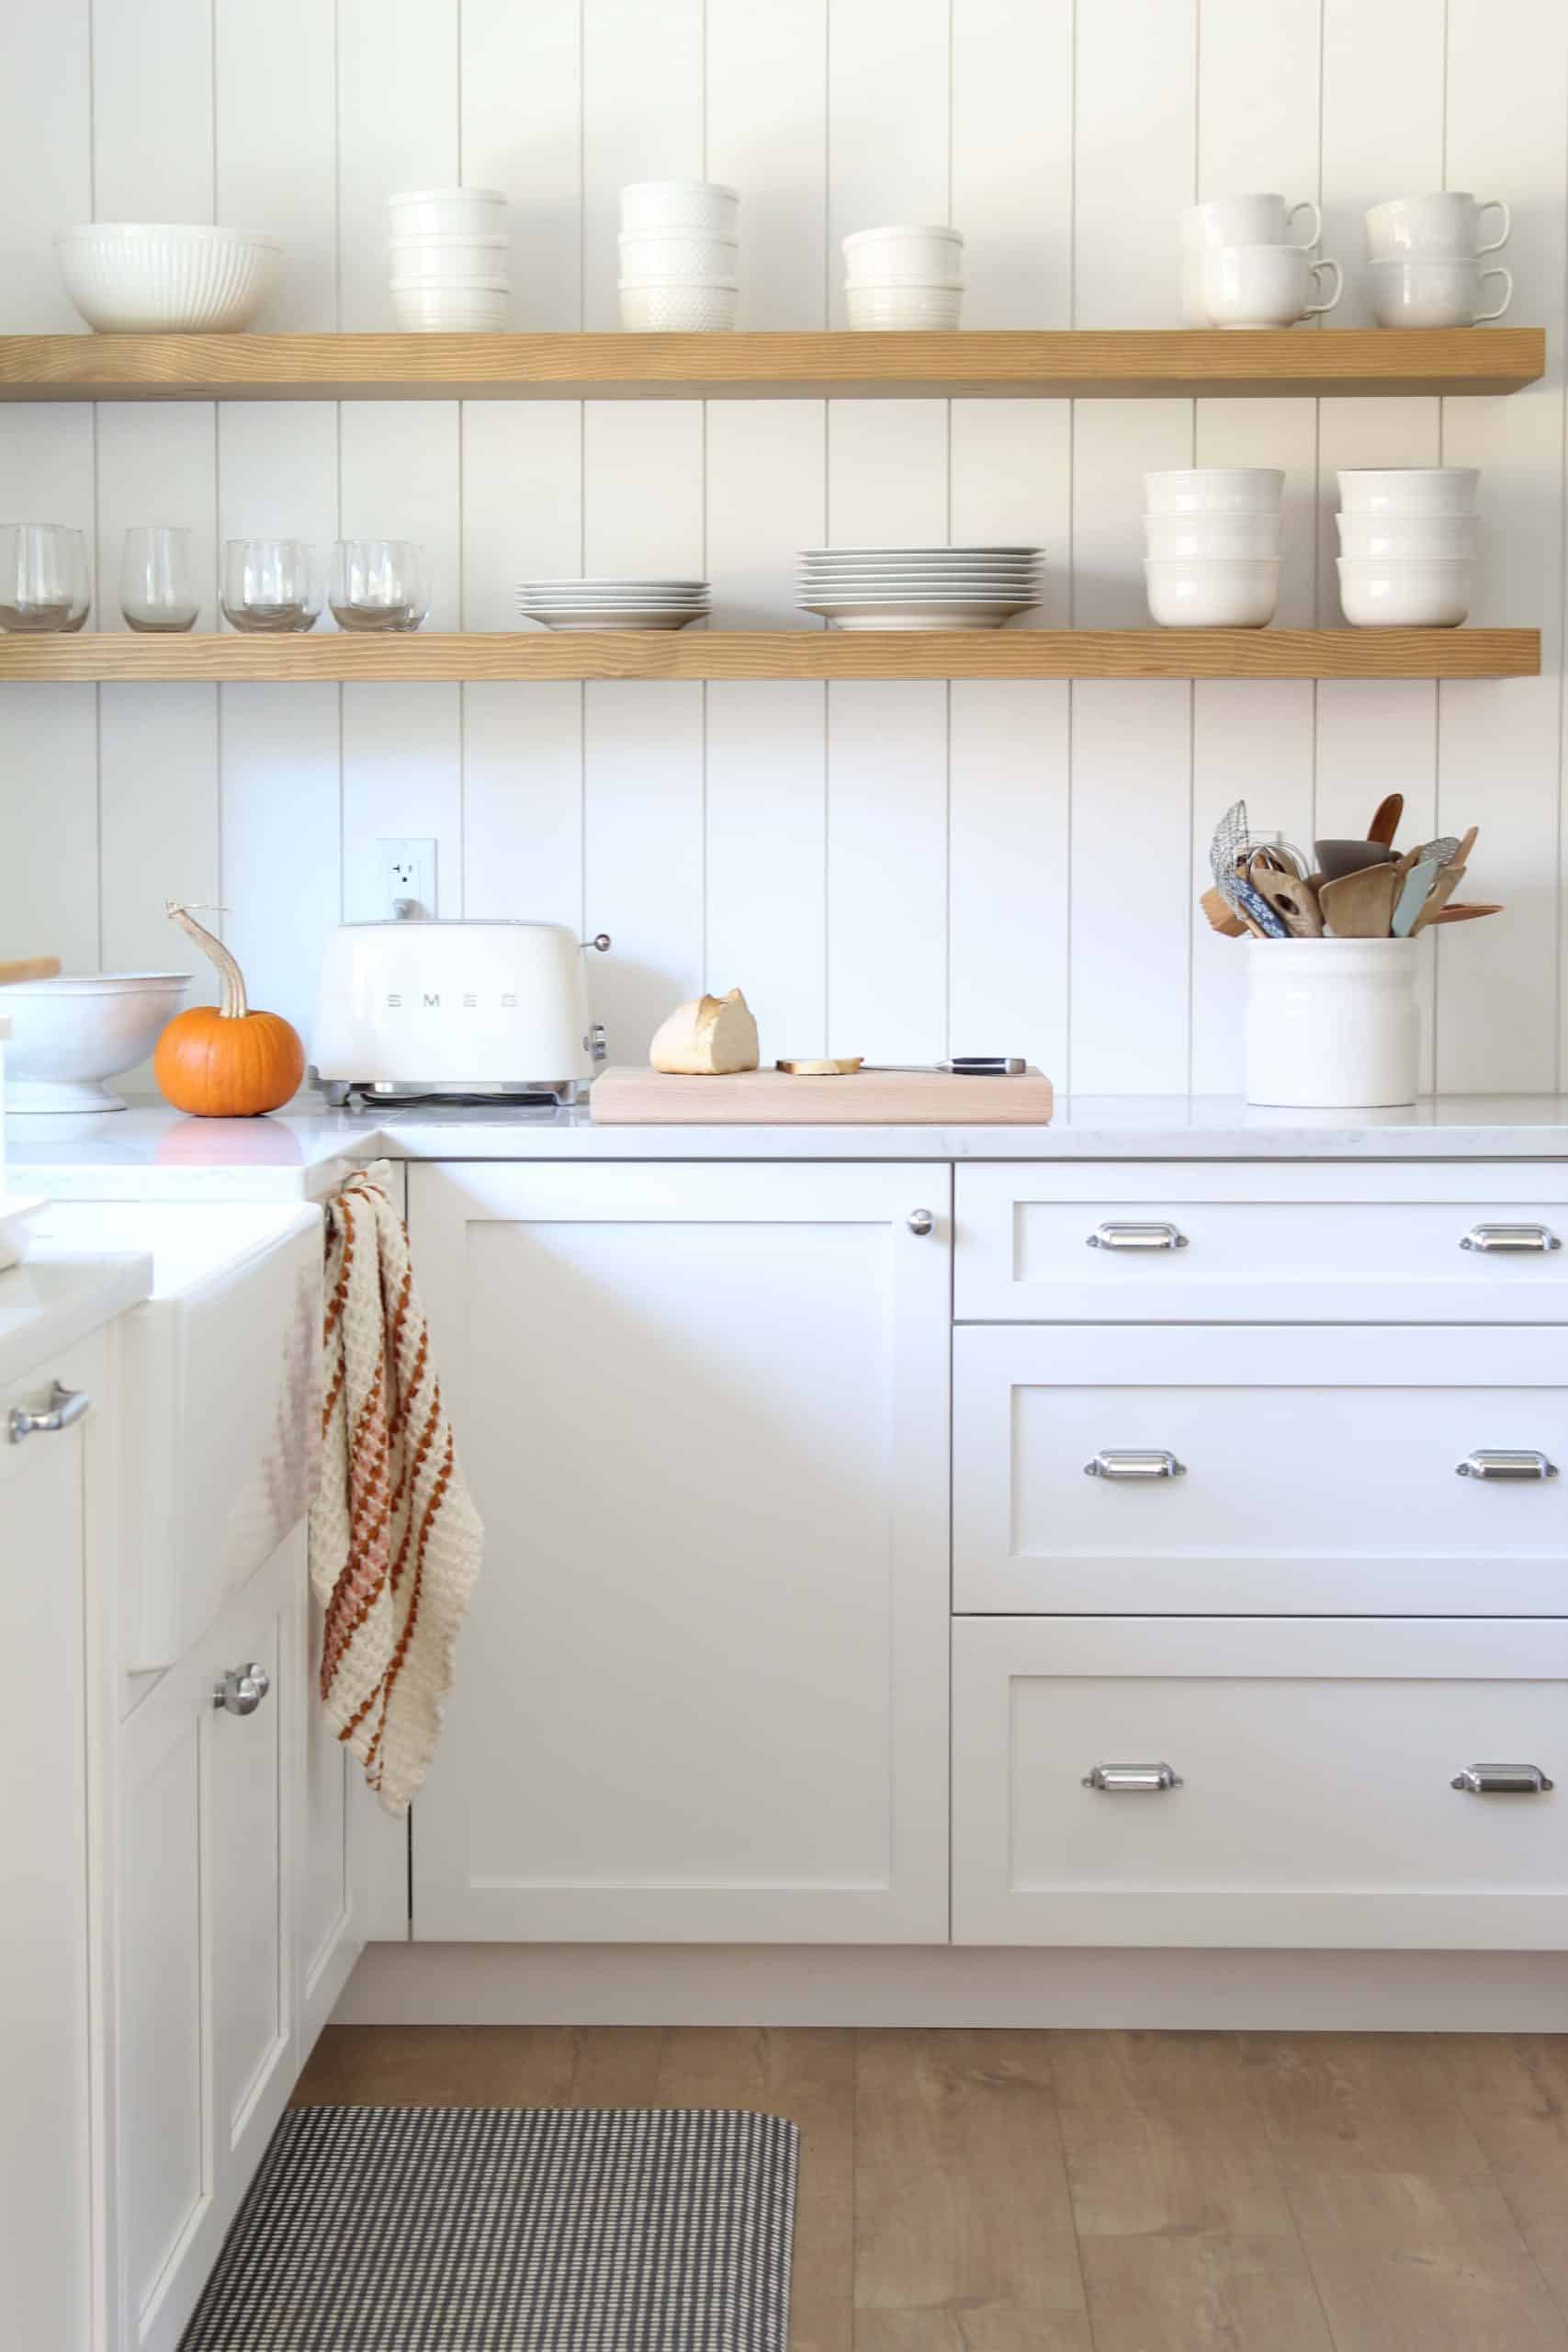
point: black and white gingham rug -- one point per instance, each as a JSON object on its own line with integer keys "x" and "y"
{"x": 487, "y": 2229}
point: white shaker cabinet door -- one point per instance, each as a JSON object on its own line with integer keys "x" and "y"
{"x": 702, "y": 1694}
{"x": 46, "y": 2257}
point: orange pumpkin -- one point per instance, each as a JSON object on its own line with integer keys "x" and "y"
{"x": 223, "y": 1061}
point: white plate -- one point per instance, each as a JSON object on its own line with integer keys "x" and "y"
{"x": 918, "y": 612}
{"x": 622, "y": 604}
{"x": 607, "y": 621}
{"x": 976, "y": 584}
{"x": 808, "y": 554}
{"x": 681, "y": 587}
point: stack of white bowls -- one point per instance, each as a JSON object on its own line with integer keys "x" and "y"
{"x": 904, "y": 278}
{"x": 1212, "y": 533}
{"x": 680, "y": 256}
{"x": 1407, "y": 540}
{"x": 451, "y": 272}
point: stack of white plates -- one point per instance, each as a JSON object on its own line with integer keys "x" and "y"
{"x": 935, "y": 587}
{"x": 612, "y": 604}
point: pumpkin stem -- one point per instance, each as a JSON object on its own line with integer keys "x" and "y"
{"x": 232, "y": 1003}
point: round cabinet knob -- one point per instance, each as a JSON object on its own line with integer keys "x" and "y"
{"x": 243, "y": 1690}
{"x": 920, "y": 1221}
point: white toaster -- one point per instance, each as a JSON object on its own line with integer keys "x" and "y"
{"x": 418, "y": 1008}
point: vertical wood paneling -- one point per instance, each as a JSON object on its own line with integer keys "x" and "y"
{"x": 1507, "y": 102}
{"x": 522, "y": 503}
{"x": 398, "y": 128}
{"x": 642, "y": 119}
{"x": 522, "y": 128}
{"x": 49, "y": 818}
{"x": 766, "y": 86}
{"x": 47, "y": 173}
{"x": 643, "y": 865}
{"x": 159, "y": 806}
{"x": 888, "y": 153}
{"x": 282, "y": 885}
{"x": 767, "y": 864}
{"x": 522, "y": 801}
{"x": 887, "y": 872}
{"x": 275, "y": 81}
{"x": 1008, "y": 914}
{"x": 152, "y": 111}
{"x": 401, "y": 775}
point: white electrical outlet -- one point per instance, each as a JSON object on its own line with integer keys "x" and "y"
{"x": 408, "y": 875}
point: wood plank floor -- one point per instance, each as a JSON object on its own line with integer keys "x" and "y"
{"x": 1096, "y": 2192}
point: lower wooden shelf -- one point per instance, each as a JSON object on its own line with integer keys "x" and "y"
{"x": 788, "y": 654}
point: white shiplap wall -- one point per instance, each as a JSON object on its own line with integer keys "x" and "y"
{"x": 888, "y": 869}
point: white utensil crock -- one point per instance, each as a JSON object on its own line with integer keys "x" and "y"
{"x": 1332, "y": 1025}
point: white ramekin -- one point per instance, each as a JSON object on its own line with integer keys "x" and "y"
{"x": 903, "y": 256}
{"x": 1178, "y": 537}
{"x": 670, "y": 308}
{"x": 447, "y": 213}
{"x": 446, "y": 260}
{"x": 1432, "y": 593}
{"x": 652, "y": 257}
{"x": 167, "y": 278}
{"x": 1409, "y": 489}
{"x": 1235, "y": 592}
{"x": 480, "y": 307}
{"x": 1214, "y": 490}
{"x": 903, "y": 306}
{"x": 706, "y": 206}
{"x": 1402, "y": 538}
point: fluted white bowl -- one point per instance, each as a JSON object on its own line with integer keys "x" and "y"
{"x": 167, "y": 278}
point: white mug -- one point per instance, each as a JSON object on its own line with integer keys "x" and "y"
{"x": 1234, "y": 220}
{"x": 1263, "y": 286}
{"x": 1434, "y": 227}
{"x": 1435, "y": 293}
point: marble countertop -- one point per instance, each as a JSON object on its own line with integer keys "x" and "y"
{"x": 47, "y": 1304}
{"x": 153, "y": 1153}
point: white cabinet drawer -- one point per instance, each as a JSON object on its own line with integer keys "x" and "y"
{"x": 1307, "y": 1471}
{"x": 1314, "y": 1763}
{"x": 1249, "y": 1243}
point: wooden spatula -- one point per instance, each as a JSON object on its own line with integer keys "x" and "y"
{"x": 1360, "y": 906}
{"x": 29, "y": 967}
{"x": 1222, "y": 917}
{"x": 1466, "y": 911}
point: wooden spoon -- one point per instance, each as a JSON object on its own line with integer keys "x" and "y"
{"x": 1467, "y": 910}
{"x": 29, "y": 967}
{"x": 1385, "y": 820}
{"x": 1360, "y": 906}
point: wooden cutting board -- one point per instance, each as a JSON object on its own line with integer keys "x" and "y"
{"x": 871, "y": 1098}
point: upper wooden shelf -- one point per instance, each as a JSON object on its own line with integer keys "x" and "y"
{"x": 789, "y": 653}
{"x": 1134, "y": 363}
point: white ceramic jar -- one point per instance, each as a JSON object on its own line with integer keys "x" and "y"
{"x": 1332, "y": 1025}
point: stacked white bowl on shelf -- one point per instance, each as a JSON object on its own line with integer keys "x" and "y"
{"x": 925, "y": 588}
{"x": 1212, "y": 535}
{"x": 903, "y": 277}
{"x": 1407, "y": 541}
{"x": 451, "y": 263}
{"x": 680, "y": 258}
{"x": 601, "y": 604}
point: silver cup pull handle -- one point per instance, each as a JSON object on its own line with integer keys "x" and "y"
{"x": 1132, "y": 1780}
{"x": 1502, "y": 1780}
{"x": 241, "y": 1690}
{"x": 1510, "y": 1240}
{"x": 1502, "y": 1463}
{"x": 67, "y": 1406}
{"x": 1142, "y": 1237}
{"x": 1137, "y": 1468}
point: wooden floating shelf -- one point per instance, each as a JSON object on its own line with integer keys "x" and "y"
{"x": 787, "y": 653}
{"x": 1082, "y": 363}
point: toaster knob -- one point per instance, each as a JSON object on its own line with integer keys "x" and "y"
{"x": 593, "y": 1045}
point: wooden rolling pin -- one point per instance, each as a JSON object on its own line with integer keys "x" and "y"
{"x": 29, "y": 967}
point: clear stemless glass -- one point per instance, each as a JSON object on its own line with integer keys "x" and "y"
{"x": 43, "y": 577}
{"x": 271, "y": 586}
{"x": 157, "y": 586}
{"x": 379, "y": 584}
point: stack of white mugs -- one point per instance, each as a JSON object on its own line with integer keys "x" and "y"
{"x": 1242, "y": 267}
{"x": 680, "y": 256}
{"x": 1426, "y": 255}
{"x": 1213, "y": 557}
{"x": 1407, "y": 541}
{"x": 451, "y": 263}
{"x": 903, "y": 277}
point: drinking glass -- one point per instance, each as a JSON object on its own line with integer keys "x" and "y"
{"x": 157, "y": 590}
{"x": 271, "y": 586}
{"x": 379, "y": 584}
{"x": 43, "y": 577}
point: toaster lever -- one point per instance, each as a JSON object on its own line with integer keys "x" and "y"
{"x": 600, "y": 940}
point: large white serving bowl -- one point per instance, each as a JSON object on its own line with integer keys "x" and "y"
{"x": 69, "y": 1034}
{"x": 166, "y": 277}
{"x": 1434, "y": 593}
{"x": 1233, "y": 591}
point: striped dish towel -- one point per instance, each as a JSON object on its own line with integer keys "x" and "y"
{"x": 395, "y": 1540}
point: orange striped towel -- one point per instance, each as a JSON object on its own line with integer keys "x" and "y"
{"x": 395, "y": 1540}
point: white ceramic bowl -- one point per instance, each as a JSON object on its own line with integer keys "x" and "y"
{"x": 1405, "y": 538}
{"x": 903, "y": 256}
{"x": 69, "y": 1034}
{"x": 671, "y": 307}
{"x": 903, "y": 306}
{"x": 1433, "y": 592}
{"x": 442, "y": 261}
{"x": 167, "y": 278}
{"x": 482, "y": 306}
{"x": 659, "y": 254}
{"x": 1409, "y": 489}
{"x": 447, "y": 213}
{"x": 1177, "y": 537}
{"x": 1234, "y": 592}
{"x": 1214, "y": 490}
{"x": 707, "y": 206}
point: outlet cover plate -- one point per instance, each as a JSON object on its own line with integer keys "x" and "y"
{"x": 406, "y": 863}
